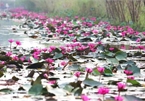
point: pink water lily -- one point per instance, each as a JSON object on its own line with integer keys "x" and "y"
{"x": 77, "y": 74}
{"x": 100, "y": 69}
{"x": 128, "y": 72}
{"x": 11, "y": 40}
{"x": 118, "y": 98}
{"x": 49, "y": 60}
{"x": 18, "y": 43}
{"x": 111, "y": 48}
{"x": 89, "y": 70}
{"x": 121, "y": 86}
{"x": 85, "y": 98}
{"x": 130, "y": 77}
{"x": 103, "y": 90}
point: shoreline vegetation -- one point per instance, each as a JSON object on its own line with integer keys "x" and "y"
{"x": 117, "y": 12}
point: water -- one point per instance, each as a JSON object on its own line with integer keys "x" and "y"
{"x": 6, "y": 34}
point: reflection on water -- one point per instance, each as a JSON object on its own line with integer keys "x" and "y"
{"x": 6, "y": 34}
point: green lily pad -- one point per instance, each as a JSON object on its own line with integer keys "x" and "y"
{"x": 92, "y": 83}
{"x": 36, "y": 89}
{"x": 58, "y": 55}
{"x": 112, "y": 61}
{"x": 74, "y": 67}
{"x": 6, "y": 90}
{"x": 134, "y": 69}
{"x": 131, "y": 98}
{"x": 120, "y": 55}
{"x": 133, "y": 82}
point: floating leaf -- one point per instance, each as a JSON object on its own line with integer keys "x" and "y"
{"x": 1, "y": 73}
{"x": 74, "y": 67}
{"x": 133, "y": 82}
{"x": 134, "y": 69}
{"x": 68, "y": 88}
{"x": 120, "y": 55}
{"x": 95, "y": 72}
{"x": 78, "y": 91}
{"x": 36, "y": 89}
{"x": 6, "y": 90}
{"x": 92, "y": 83}
{"x": 131, "y": 98}
{"x": 58, "y": 55}
{"x": 109, "y": 54}
{"x": 107, "y": 72}
{"x": 36, "y": 66}
{"x": 15, "y": 78}
{"x": 113, "y": 61}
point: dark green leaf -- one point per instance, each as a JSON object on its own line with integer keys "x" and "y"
{"x": 95, "y": 72}
{"x": 36, "y": 89}
{"x": 69, "y": 88}
{"x": 21, "y": 89}
{"x": 74, "y": 67}
{"x": 112, "y": 61}
{"x": 78, "y": 91}
{"x": 134, "y": 69}
{"x": 91, "y": 82}
{"x": 1, "y": 73}
{"x": 58, "y": 55}
{"x": 120, "y": 55}
{"x": 36, "y": 65}
{"x": 31, "y": 74}
{"x": 109, "y": 54}
{"x": 15, "y": 78}
{"x": 6, "y": 90}
{"x": 107, "y": 72}
{"x": 133, "y": 82}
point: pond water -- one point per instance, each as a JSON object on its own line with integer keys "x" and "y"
{"x": 6, "y": 34}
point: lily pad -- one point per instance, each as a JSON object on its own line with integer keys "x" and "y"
{"x": 120, "y": 55}
{"x": 36, "y": 89}
{"x": 133, "y": 82}
{"x": 92, "y": 83}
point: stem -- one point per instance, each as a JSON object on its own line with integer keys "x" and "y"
{"x": 103, "y": 98}
{"x": 118, "y": 93}
{"x": 87, "y": 75}
{"x": 99, "y": 77}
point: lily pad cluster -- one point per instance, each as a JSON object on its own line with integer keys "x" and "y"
{"x": 92, "y": 57}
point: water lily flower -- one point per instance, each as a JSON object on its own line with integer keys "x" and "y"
{"x": 89, "y": 70}
{"x": 11, "y": 40}
{"x": 100, "y": 69}
{"x": 138, "y": 40}
{"x": 15, "y": 58}
{"x": 85, "y": 98}
{"x": 18, "y": 43}
{"x": 111, "y": 48}
{"x": 63, "y": 63}
{"x": 8, "y": 53}
{"x": 52, "y": 82}
{"x": 77, "y": 74}
{"x": 118, "y": 98}
{"x": 122, "y": 47}
{"x": 130, "y": 77}
{"x": 49, "y": 60}
{"x": 140, "y": 47}
{"x": 2, "y": 62}
{"x": 121, "y": 86}
{"x": 128, "y": 72}
{"x": 103, "y": 90}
